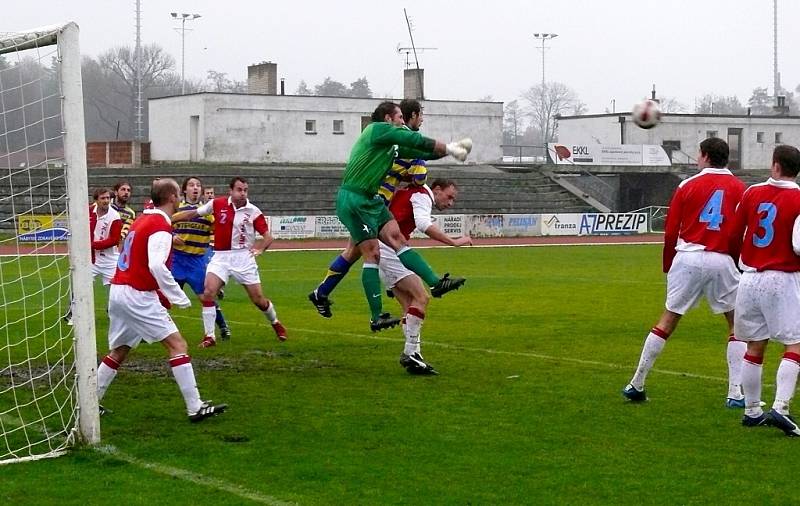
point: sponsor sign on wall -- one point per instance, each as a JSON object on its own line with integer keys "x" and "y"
{"x": 560, "y": 224}
{"x": 613, "y": 224}
{"x": 451, "y": 224}
{"x": 485, "y": 225}
{"x": 292, "y": 227}
{"x": 39, "y": 227}
{"x": 329, "y": 227}
{"x": 521, "y": 225}
{"x": 604, "y": 154}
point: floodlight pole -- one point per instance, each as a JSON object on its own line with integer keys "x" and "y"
{"x": 544, "y": 37}
{"x": 183, "y": 17}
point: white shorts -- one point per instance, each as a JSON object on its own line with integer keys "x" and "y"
{"x": 768, "y": 306}
{"x": 105, "y": 265}
{"x": 135, "y": 316}
{"x": 238, "y": 263}
{"x": 391, "y": 268}
{"x": 697, "y": 273}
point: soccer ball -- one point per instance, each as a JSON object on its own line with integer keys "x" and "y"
{"x": 646, "y": 114}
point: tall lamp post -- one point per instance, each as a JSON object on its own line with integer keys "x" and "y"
{"x": 183, "y": 17}
{"x": 544, "y": 37}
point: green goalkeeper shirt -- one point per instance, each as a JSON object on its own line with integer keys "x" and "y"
{"x": 375, "y": 150}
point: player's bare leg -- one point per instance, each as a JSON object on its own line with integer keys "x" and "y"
{"x": 268, "y": 308}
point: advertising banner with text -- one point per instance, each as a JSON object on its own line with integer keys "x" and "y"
{"x": 42, "y": 227}
{"x": 292, "y": 227}
{"x": 604, "y": 154}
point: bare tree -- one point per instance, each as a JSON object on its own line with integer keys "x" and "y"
{"x": 117, "y": 69}
{"x": 547, "y": 101}
{"x": 221, "y": 84}
{"x": 671, "y": 104}
{"x": 303, "y": 89}
{"x": 716, "y": 104}
{"x": 512, "y": 123}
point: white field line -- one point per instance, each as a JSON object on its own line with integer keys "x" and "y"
{"x": 191, "y": 477}
{"x": 489, "y": 351}
{"x": 172, "y": 472}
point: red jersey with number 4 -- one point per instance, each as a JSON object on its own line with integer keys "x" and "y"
{"x": 701, "y": 212}
{"x": 765, "y": 224}
{"x": 234, "y": 229}
{"x": 403, "y": 210}
{"x": 133, "y": 265}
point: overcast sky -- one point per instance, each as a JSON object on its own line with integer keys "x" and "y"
{"x": 604, "y": 50}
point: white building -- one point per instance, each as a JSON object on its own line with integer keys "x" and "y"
{"x": 256, "y": 128}
{"x": 751, "y": 138}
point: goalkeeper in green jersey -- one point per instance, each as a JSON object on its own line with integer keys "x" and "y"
{"x": 364, "y": 214}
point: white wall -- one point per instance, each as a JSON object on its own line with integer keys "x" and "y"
{"x": 689, "y": 129}
{"x": 271, "y": 128}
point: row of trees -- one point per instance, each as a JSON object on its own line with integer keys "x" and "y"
{"x": 110, "y": 88}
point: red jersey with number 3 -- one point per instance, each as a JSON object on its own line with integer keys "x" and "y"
{"x": 701, "y": 212}
{"x": 765, "y": 224}
{"x": 133, "y": 267}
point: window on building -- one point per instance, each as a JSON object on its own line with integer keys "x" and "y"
{"x": 311, "y": 126}
{"x": 712, "y": 133}
{"x": 778, "y": 137}
{"x": 338, "y": 126}
{"x": 365, "y": 120}
{"x": 760, "y": 137}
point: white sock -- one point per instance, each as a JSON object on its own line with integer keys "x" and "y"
{"x": 209, "y": 318}
{"x": 735, "y": 354}
{"x": 786, "y": 383}
{"x": 270, "y": 313}
{"x": 184, "y": 377}
{"x": 412, "y": 329}
{"x": 651, "y": 349}
{"x": 751, "y": 385}
{"x": 106, "y": 372}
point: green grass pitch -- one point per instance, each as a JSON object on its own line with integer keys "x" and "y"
{"x": 533, "y": 353}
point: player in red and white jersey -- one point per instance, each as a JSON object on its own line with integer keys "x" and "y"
{"x": 412, "y": 207}
{"x": 236, "y": 222}
{"x": 134, "y": 308}
{"x": 698, "y": 262}
{"x": 105, "y": 226}
{"x": 767, "y": 231}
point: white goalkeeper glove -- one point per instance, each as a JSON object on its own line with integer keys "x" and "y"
{"x": 466, "y": 143}
{"x": 457, "y": 151}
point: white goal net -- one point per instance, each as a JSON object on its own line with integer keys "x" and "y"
{"x": 47, "y": 383}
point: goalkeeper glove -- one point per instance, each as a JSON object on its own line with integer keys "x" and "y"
{"x": 457, "y": 151}
{"x": 466, "y": 143}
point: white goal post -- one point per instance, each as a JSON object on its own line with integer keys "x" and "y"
{"x": 48, "y": 384}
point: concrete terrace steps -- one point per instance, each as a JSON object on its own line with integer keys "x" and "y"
{"x": 282, "y": 190}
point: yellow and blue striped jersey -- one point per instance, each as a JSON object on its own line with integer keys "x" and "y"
{"x": 197, "y": 234}
{"x": 128, "y": 215}
{"x": 412, "y": 171}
